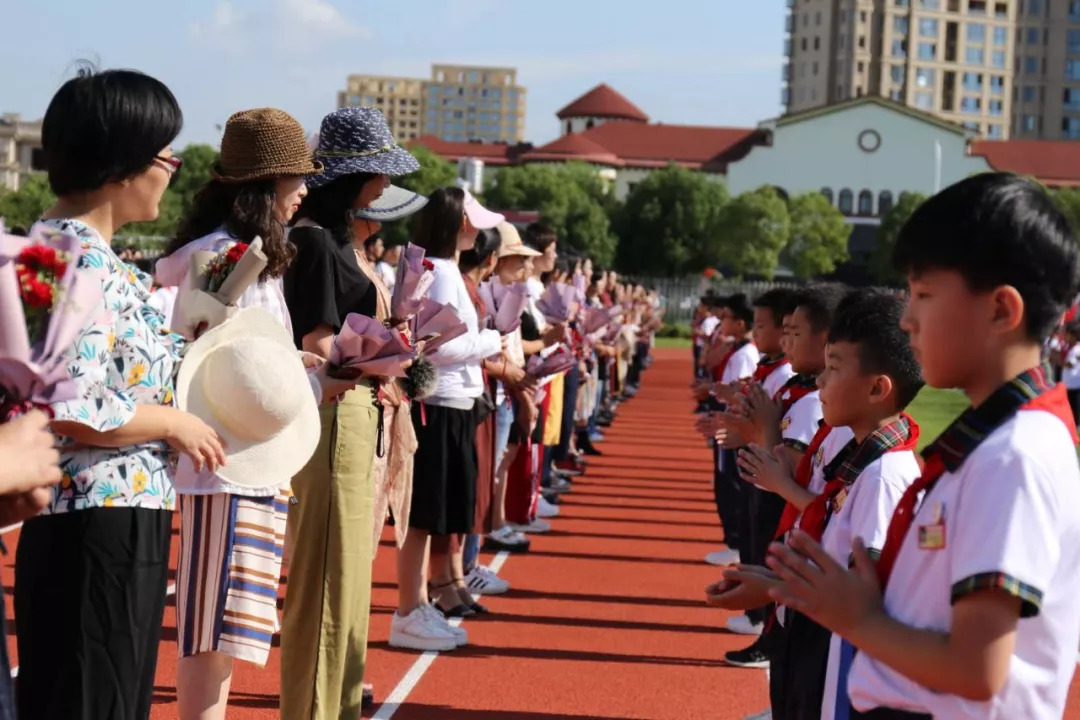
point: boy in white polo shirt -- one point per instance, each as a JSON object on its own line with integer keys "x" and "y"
{"x": 979, "y": 616}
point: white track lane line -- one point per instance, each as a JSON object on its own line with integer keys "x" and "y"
{"x": 9, "y": 528}
{"x": 401, "y": 693}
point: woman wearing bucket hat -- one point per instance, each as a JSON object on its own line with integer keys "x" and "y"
{"x": 444, "y": 479}
{"x": 257, "y": 185}
{"x": 91, "y": 570}
{"x": 324, "y": 628}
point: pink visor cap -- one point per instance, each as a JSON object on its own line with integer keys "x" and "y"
{"x": 479, "y": 216}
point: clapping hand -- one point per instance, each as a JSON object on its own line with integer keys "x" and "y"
{"x": 768, "y": 470}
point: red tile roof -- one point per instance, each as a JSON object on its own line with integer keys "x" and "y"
{"x": 1053, "y": 162}
{"x": 490, "y": 153}
{"x": 605, "y": 102}
{"x": 574, "y": 146}
{"x": 696, "y": 147}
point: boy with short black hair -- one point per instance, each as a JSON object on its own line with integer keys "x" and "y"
{"x": 1070, "y": 366}
{"x": 978, "y": 617}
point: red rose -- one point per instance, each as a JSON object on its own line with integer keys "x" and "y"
{"x": 235, "y": 253}
{"x": 428, "y": 265}
{"x": 39, "y": 295}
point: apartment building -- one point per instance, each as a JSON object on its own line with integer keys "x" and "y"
{"x": 956, "y": 59}
{"x": 20, "y": 149}
{"x": 1046, "y": 94}
{"x": 459, "y": 103}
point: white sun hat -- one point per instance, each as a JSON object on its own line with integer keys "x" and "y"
{"x": 245, "y": 379}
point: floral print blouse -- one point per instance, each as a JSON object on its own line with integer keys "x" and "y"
{"x": 123, "y": 358}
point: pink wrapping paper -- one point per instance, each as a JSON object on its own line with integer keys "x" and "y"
{"x": 366, "y": 346}
{"x": 558, "y": 303}
{"x": 515, "y": 298}
{"x": 413, "y": 280}
{"x": 580, "y": 285}
{"x": 438, "y": 320}
{"x": 597, "y": 319}
{"x": 37, "y": 373}
{"x": 486, "y": 292}
{"x": 559, "y": 361}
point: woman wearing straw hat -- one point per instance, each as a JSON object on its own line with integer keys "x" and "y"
{"x": 227, "y": 581}
{"x": 324, "y": 629}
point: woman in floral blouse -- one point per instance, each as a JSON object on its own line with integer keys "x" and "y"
{"x": 91, "y": 570}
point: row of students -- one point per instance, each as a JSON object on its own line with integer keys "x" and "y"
{"x": 939, "y": 586}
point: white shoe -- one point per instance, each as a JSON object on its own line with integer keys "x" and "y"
{"x": 544, "y": 509}
{"x": 741, "y": 625}
{"x": 536, "y": 526}
{"x": 508, "y": 536}
{"x": 482, "y": 581}
{"x": 765, "y": 715}
{"x": 418, "y": 631}
{"x": 722, "y": 558}
{"x": 460, "y": 635}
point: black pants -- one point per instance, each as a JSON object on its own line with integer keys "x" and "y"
{"x": 89, "y": 601}
{"x": 763, "y": 510}
{"x": 799, "y": 657}
{"x": 728, "y": 496}
{"x": 887, "y": 714}
{"x": 1074, "y": 403}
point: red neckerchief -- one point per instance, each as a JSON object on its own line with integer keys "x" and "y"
{"x": 767, "y": 366}
{"x": 795, "y": 389}
{"x": 803, "y": 473}
{"x": 816, "y": 515}
{"x": 957, "y": 443}
{"x": 718, "y": 372}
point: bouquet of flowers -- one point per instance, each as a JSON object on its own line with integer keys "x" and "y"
{"x": 559, "y": 303}
{"x": 436, "y": 324}
{"x": 415, "y": 273}
{"x": 367, "y": 347}
{"x": 557, "y": 362}
{"x": 580, "y": 283}
{"x": 43, "y": 308}
{"x": 213, "y": 285}
{"x": 597, "y": 319}
{"x": 514, "y": 300}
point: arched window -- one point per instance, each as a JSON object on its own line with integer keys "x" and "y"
{"x": 588, "y": 124}
{"x": 569, "y": 127}
{"x": 866, "y": 203}
{"x": 846, "y": 202}
{"x": 884, "y": 203}
{"x": 827, "y": 192}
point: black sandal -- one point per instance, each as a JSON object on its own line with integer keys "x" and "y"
{"x": 461, "y": 610}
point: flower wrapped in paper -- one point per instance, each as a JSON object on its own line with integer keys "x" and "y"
{"x": 367, "y": 347}
{"x": 558, "y": 303}
{"x": 44, "y": 306}
{"x": 557, "y": 362}
{"x": 415, "y": 274}
{"x": 213, "y": 285}
{"x": 596, "y": 319}
{"x": 580, "y": 284}
{"x": 509, "y": 307}
{"x": 436, "y": 324}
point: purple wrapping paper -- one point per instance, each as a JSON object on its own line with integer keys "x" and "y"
{"x": 435, "y": 318}
{"x": 515, "y": 299}
{"x": 37, "y": 373}
{"x": 367, "y": 346}
{"x": 559, "y": 361}
{"x": 412, "y": 282}
{"x": 598, "y": 318}
{"x": 580, "y": 285}
{"x": 558, "y": 303}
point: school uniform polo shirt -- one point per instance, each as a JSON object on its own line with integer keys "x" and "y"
{"x": 777, "y": 378}
{"x": 1008, "y": 518}
{"x": 742, "y": 364}
{"x": 800, "y": 423}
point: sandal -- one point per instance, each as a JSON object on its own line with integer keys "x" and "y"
{"x": 469, "y": 601}
{"x": 460, "y": 610}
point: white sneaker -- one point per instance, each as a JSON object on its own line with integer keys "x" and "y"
{"x": 418, "y": 631}
{"x": 536, "y": 526}
{"x": 723, "y": 558}
{"x": 460, "y": 635}
{"x": 765, "y": 715}
{"x": 741, "y": 624}
{"x": 482, "y": 581}
{"x": 508, "y": 536}
{"x": 544, "y": 509}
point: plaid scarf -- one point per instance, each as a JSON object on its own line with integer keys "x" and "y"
{"x": 848, "y": 464}
{"x": 1031, "y": 390}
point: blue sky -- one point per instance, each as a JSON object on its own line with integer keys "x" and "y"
{"x": 702, "y": 62}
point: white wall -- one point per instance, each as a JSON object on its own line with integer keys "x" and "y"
{"x": 579, "y": 124}
{"x": 824, "y": 152}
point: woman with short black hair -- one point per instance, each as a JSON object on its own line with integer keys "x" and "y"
{"x": 91, "y": 570}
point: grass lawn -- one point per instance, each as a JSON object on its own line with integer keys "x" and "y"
{"x": 677, "y": 343}
{"x": 934, "y": 409}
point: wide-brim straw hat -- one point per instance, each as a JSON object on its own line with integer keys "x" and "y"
{"x": 245, "y": 379}
{"x": 395, "y": 203}
{"x": 512, "y": 244}
{"x": 263, "y": 144}
{"x": 358, "y": 140}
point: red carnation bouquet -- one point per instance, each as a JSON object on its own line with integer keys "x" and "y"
{"x": 223, "y": 264}
{"x": 214, "y": 284}
{"x": 43, "y": 308}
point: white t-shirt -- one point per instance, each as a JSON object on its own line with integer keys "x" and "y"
{"x": 865, "y": 513}
{"x": 800, "y": 423}
{"x": 1070, "y": 374}
{"x": 742, "y": 364}
{"x": 388, "y": 274}
{"x": 708, "y": 327}
{"x": 776, "y": 379}
{"x": 1012, "y": 516}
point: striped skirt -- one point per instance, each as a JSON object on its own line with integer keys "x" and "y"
{"x": 228, "y": 574}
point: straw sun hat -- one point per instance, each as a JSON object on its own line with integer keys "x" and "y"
{"x": 245, "y": 379}
{"x": 262, "y": 144}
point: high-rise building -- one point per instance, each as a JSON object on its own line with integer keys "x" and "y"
{"x": 953, "y": 58}
{"x": 458, "y": 104}
{"x": 1046, "y": 97}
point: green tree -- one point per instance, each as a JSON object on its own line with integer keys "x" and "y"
{"x": 23, "y": 207}
{"x": 568, "y": 198}
{"x": 754, "y": 228}
{"x": 1068, "y": 202}
{"x": 193, "y": 176}
{"x": 669, "y": 224}
{"x": 881, "y": 265}
{"x": 435, "y": 172}
{"x": 819, "y": 236}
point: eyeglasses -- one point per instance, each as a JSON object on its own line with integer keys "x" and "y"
{"x": 175, "y": 163}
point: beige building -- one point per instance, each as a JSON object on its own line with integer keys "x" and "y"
{"x": 1046, "y": 96}
{"x": 20, "y": 150}
{"x": 953, "y": 58}
{"x": 457, "y": 104}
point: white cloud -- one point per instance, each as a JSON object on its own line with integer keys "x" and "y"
{"x": 292, "y": 24}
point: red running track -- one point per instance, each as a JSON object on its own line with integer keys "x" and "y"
{"x": 605, "y": 620}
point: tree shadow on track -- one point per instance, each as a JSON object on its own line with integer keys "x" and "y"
{"x": 480, "y": 651}
{"x": 520, "y": 594}
{"x": 442, "y": 712}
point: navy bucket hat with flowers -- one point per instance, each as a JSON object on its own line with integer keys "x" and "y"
{"x": 357, "y": 140}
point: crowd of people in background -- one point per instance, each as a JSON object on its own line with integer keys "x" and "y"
{"x": 475, "y": 453}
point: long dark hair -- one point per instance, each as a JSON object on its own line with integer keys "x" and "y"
{"x": 438, "y": 223}
{"x": 245, "y": 210}
{"x": 488, "y": 243}
{"x": 331, "y": 205}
